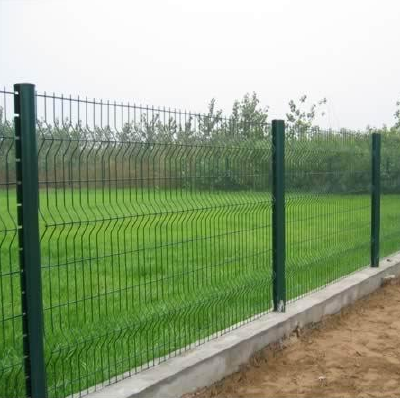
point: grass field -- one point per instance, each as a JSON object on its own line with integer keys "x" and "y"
{"x": 132, "y": 275}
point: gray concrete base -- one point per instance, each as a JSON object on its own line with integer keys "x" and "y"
{"x": 206, "y": 364}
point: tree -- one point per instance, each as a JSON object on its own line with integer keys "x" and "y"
{"x": 397, "y": 116}
{"x": 248, "y": 118}
{"x": 209, "y": 123}
{"x": 300, "y": 119}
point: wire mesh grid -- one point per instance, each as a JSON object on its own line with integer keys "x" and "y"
{"x": 390, "y": 198}
{"x": 328, "y": 207}
{"x": 155, "y": 234}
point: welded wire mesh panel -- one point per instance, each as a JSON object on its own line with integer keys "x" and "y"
{"x": 155, "y": 234}
{"x": 12, "y": 379}
{"x": 328, "y": 211}
{"x": 390, "y": 194}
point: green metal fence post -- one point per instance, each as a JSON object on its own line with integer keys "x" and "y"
{"x": 28, "y": 236}
{"x": 278, "y": 215}
{"x": 375, "y": 198}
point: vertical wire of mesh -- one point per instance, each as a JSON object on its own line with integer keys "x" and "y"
{"x": 12, "y": 378}
{"x": 155, "y": 234}
{"x": 328, "y": 180}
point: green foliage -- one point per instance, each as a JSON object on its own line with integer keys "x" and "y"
{"x": 211, "y": 147}
{"x": 210, "y": 123}
{"x": 248, "y": 114}
{"x": 397, "y": 116}
{"x": 300, "y": 118}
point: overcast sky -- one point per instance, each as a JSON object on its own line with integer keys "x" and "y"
{"x": 182, "y": 53}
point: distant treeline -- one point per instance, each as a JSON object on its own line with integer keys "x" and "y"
{"x": 161, "y": 149}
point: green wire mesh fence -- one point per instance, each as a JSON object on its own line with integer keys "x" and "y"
{"x": 328, "y": 179}
{"x": 155, "y": 234}
{"x": 156, "y": 231}
{"x": 390, "y": 199}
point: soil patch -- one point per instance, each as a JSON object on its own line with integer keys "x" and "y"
{"x": 355, "y": 353}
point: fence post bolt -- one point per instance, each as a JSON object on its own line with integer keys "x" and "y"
{"x": 28, "y": 239}
{"x": 375, "y": 198}
{"x": 278, "y": 215}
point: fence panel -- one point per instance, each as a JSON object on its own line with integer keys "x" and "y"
{"x": 155, "y": 234}
{"x": 12, "y": 378}
{"x": 328, "y": 205}
{"x": 390, "y": 198}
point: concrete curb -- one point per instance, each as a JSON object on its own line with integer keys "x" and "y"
{"x": 210, "y": 362}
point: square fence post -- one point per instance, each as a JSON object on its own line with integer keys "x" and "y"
{"x": 375, "y": 198}
{"x": 28, "y": 239}
{"x": 278, "y": 215}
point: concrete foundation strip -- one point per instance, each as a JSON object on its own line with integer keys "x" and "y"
{"x": 210, "y": 362}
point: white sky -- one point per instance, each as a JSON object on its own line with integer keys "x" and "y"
{"x": 183, "y": 53}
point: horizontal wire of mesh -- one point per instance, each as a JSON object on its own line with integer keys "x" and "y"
{"x": 390, "y": 194}
{"x": 155, "y": 234}
{"x": 12, "y": 378}
{"x": 328, "y": 207}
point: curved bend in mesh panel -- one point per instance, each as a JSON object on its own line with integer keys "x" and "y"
{"x": 328, "y": 207}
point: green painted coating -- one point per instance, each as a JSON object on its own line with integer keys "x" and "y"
{"x": 375, "y": 198}
{"x": 156, "y": 231}
{"x": 29, "y": 242}
{"x": 278, "y": 215}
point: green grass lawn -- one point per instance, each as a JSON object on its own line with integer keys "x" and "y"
{"x": 132, "y": 275}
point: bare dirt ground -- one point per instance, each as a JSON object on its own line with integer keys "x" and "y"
{"x": 352, "y": 354}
